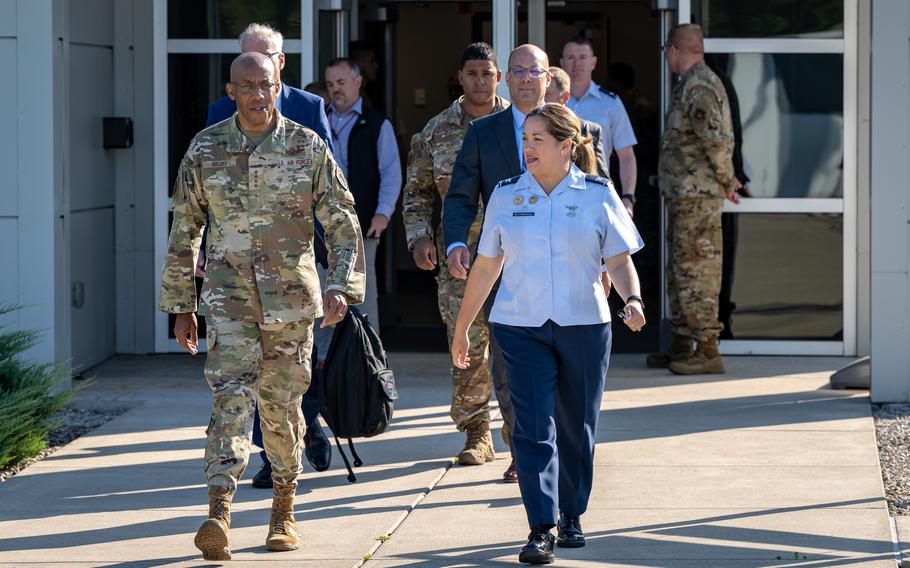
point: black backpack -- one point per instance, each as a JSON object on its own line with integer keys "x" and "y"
{"x": 358, "y": 388}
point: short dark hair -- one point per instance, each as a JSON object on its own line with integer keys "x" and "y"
{"x": 622, "y": 73}
{"x": 355, "y": 69}
{"x": 580, "y": 40}
{"x": 478, "y": 51}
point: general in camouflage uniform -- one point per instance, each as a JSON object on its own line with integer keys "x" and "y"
{"x": 695, "y": 174}
{"x": 261, "y": 293}
{"x": 433, "y": 152}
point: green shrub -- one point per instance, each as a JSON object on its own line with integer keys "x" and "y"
{"x": 27, "y": 400}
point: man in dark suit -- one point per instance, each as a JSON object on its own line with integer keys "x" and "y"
{"x": 559, "y": 92}
{"x": 308, "y": 110}
{"x": 491, "y": 152}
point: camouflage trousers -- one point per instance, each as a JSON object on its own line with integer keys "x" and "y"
{"x": 473, "y": 387}
{"x": 249, "y": 362}
{"x": 695, "y": 266}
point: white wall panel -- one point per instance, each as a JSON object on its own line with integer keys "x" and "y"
{"x": 9, "y": 142}
{"x": 890, "y": 168}
{"x": 39, "y": 176}
{"x": 92, "y": 268}
{"x": 92, "y": 21}
{"x": 7, "y": 18}
{"x": 9, "y": 257}
{"x": 91, "y": 98}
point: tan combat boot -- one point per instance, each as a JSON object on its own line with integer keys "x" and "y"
{"x": 478, "y": 449}
{"x": 283, "y": 533}
{"x": 212, "y": 536}
{"x": 705, "y": 361}
{"x": 680, "y": 348}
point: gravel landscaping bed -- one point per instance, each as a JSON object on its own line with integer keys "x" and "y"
{"x": 73, "y": 423}
{"x": 892, "y": 430}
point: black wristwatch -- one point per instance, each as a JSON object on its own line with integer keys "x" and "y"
{"x": 638, "y": 299}
{"x": 630, "y": 197}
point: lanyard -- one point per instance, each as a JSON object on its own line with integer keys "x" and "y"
{"x": 336, "y": 130}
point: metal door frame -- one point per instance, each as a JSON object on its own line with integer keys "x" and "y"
{"x": 846, "y": 206}
{"x": 162, "y": 47}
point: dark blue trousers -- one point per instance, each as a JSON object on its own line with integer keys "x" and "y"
{"x": 310, "y": 405}
{"x": 556, "y": 382}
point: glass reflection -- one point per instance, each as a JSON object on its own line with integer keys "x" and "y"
{"x": 783, "y": 276}
{"x": 770, "y": 18}
{"x": 227, "y": 18}
{"x": 791, "y": 107}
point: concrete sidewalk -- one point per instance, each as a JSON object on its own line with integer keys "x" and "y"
{"x": 762, "y": 467}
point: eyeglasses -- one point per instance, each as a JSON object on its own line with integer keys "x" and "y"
{"x": 250, "y": 88}
{"x": 273, "y": 54}
{"x": 520, "y": 72}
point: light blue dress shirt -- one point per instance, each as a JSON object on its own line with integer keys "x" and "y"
{"x": 518, "y": 118}
{"x": 386, "y": 154}
{"x": 553, "y": 247}
{"x": 606, "y": 109}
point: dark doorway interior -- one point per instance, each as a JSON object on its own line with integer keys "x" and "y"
{"x": 622, "y": 31}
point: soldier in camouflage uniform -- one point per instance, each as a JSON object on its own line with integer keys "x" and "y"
{"x": 433, "y": 153}
{"x": 257, "y": 176}
{"x": 695, "y": 173}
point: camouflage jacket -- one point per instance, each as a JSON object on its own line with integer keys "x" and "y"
{"x": 433, "y": 152}
{"x": 259, "y": 203}
{"x": 696, "y": 153}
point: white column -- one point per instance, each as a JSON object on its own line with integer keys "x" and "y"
{"x": 160, "y": 152}
{"x": 504, "y": 19}
{"x": 309, "y": 40}
{"x": 849, "y": 176}
{"x": 537, "y": 23}
{"x": 684, "y": 10}
{"x": 863, "y": 174}
{"x": 890, "y": 202}
{"x": 43, "y": 263}
{"x": 124, "y": 205}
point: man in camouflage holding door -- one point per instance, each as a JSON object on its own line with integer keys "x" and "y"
{"x": 433, "y": 153}
{"x": 258, "y": 176}
{"x": 695, "y": 174}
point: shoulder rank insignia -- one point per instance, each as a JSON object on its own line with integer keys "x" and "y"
{"x": 608, "y": 93}
{"x": 509, "y": 181}
{"x": 597, "y": 179}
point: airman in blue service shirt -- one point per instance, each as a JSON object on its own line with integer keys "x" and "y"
{"x": 606, "y": 109}
{"x": 553, "y": 247}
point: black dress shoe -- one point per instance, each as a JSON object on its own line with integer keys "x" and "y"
{"x": 569, "y": 533}
{"x": 539, "y": 549}
{"x": 317, "y": 448}
{"x": 263, "y": 478}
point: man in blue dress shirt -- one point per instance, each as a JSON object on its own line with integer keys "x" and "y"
{"x": 367, "y": 153}
{"x": 592, "y": 102}
{"x": 308, "y": 110}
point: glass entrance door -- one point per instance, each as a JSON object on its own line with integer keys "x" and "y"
{"x": 194, "y": 44}
{"x": 790, "y": 248}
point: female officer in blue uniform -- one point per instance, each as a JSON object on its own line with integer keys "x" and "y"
{"x": 549, "y": 232}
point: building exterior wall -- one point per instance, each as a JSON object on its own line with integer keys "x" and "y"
{"x": 60, "y": 185}
{"x": 33, "y": 200}
{"x": 36, "y": 225}
{"x": 890, "y": 172}
{"x": 863, "y": 192}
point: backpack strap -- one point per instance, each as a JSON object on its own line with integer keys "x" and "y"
{"x": 357, "y": 461}
{"x": 351, "y": 477}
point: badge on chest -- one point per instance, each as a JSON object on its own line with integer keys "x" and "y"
{"x": 523, "y": 210}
